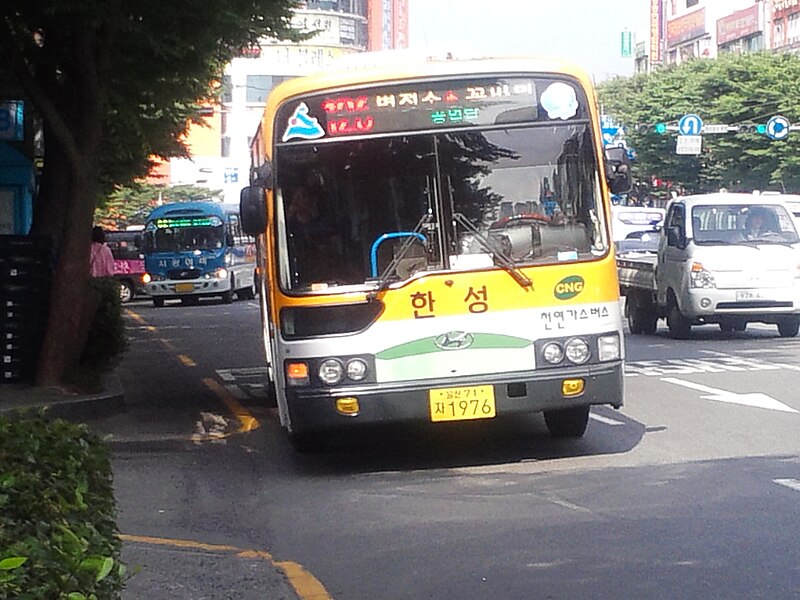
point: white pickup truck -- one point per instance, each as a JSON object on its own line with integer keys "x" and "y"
{"x": 722, "y": 258}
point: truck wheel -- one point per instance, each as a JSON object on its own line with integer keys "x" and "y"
{"x": 789, "y": 327}
{"x": 567, "y": 422}
{"x": 679, "y": 326}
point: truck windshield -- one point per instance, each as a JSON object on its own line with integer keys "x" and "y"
{"x": 458, "y": 200}
{"x": 743, "y": 224}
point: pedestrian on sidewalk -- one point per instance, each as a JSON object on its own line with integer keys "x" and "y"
{"x": 101, "y": 261}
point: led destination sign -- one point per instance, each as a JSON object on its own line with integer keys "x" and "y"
{"x": 430, "y": 105}
{"x": 173, "y": 222}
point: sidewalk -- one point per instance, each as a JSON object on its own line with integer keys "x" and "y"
{"x": 63, "y": 404}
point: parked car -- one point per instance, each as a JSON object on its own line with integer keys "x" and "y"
{"x": 128, "y": 263}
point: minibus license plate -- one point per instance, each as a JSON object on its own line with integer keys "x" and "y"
{"x": 182, "y": 288}
{"x": 748, "y": 295}
{"x": 462, "y": 403}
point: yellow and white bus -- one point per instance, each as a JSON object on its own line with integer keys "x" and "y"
{"x": 435, "y": 246}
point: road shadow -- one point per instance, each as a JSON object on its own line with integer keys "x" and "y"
{"x": 503, "y": 440}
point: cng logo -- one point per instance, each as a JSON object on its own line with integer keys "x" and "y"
{"x": 569, "y": 287}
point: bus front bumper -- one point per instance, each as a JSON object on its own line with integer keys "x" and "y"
{"x": 192, "y": 287}
{"x": 315, "y": 410}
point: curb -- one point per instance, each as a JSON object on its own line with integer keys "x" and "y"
{"x": 60, "y": 404}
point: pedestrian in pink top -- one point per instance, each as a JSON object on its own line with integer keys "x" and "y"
{"x": 101, "y": 261}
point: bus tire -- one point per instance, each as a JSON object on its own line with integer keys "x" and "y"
{"x": 158, "y": 302}
{"x": 248, "y": 293}
{"x": 307, "y": 442}
{"x": 567, "y": 422}
{"x": 227, "y": 297}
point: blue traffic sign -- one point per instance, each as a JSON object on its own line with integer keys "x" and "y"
{"x": 778, "y": 128}
{"x": 690, "y": 125}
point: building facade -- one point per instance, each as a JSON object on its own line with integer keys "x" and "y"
{"x": 220, "y": 150}
{"x": 685, "y": 29}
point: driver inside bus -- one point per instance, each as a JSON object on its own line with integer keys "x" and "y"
{"x": 312, "y": 240}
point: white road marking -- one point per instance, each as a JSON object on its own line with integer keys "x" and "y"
{"x": 605, "y": 420}
{"x": 792, "y": 484}
{"x": 686, "y": 366}
{"x": 755, "y": 399}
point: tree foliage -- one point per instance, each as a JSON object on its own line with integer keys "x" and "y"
{"x": 130, "y": 204}
{"x": 734, "y": 89}
{"x": 113, "y": 83}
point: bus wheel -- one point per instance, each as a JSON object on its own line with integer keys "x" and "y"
{"x": 125, "y": 291}
{"x": 567, "y": 422}
{"x": 227, "y": 297}
{"x": 307, "y": 442}
{"x": 158, "y": 302}
{"x": 248, "y": 293}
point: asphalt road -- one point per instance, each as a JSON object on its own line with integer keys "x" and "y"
{"x": 692, "y": 490}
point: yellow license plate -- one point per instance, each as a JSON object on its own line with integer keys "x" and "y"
{"x": 462, "y": 403}
{"x": 183, "y": 288}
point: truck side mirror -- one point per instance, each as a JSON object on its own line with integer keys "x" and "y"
{"x": 675, "y": 237}
{"x": 253, "y": 210}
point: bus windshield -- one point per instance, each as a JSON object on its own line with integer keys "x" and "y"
{"x": 355, "y": 211}
{"x": 181, "y": 234}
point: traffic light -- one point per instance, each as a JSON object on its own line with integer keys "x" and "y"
{"x": 752, "y": 128}
{"x": 661, "y": 128}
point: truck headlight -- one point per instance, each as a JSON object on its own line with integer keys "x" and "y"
{"x": 701, "y": 278}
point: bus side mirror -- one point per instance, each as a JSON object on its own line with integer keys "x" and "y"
{"x": 253, "y": 210}
{"x": 618, "y": 170}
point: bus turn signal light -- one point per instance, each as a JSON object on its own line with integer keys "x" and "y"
{"x": 348, "y": 406}
{"x": 572, "y": 387}
{"x": 297, "y": 373}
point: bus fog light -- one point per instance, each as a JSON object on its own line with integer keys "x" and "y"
{"x": 348, "y": 406}
{"x": 553, "y": 353}
{"x": 608, "y": 348}
{"x": 577, "y": 351}
{"x": 356, "y": 369}
{"x": 572, "y": 387}
{"x": 331, "y": 371}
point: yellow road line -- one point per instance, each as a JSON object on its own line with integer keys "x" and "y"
{"x": 186, "y": 360}
{"x": 247, "y": 422}
{"x": 304, "y": 583}
{"x": 135, "y": 316}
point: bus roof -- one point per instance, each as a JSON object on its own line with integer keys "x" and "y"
{"x": 177, "y": 209}
{"x": 377, "y": 67}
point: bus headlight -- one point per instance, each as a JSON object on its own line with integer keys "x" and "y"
{"x": 553, "y": 353}
{"x": 577, "y": 351}
{"x": 331, "y": 371}
{"x": 608, "y": 348}
{"x": 221, "y": 273}
{"x": 146, "y": 278}
{"x": 356, "y": 369}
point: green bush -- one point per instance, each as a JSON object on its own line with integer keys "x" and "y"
{"x": 58, "y": 534}
{"x": 106, "y": 339}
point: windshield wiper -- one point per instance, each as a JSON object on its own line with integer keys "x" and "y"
{"x": 505, "y": 261}
{"x": 413, "y": 235}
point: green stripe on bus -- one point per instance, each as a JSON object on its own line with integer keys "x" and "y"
{"x": 428, "y": 345}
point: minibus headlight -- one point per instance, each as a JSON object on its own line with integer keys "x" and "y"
{"x": 356, "y": 369}
{"x": 553, "y": 353}
{"x": 608, "y": 348}
{"x": 701, "y": 278}
{"x": 577, "y": 351}
{"x": 331, "y": 371}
